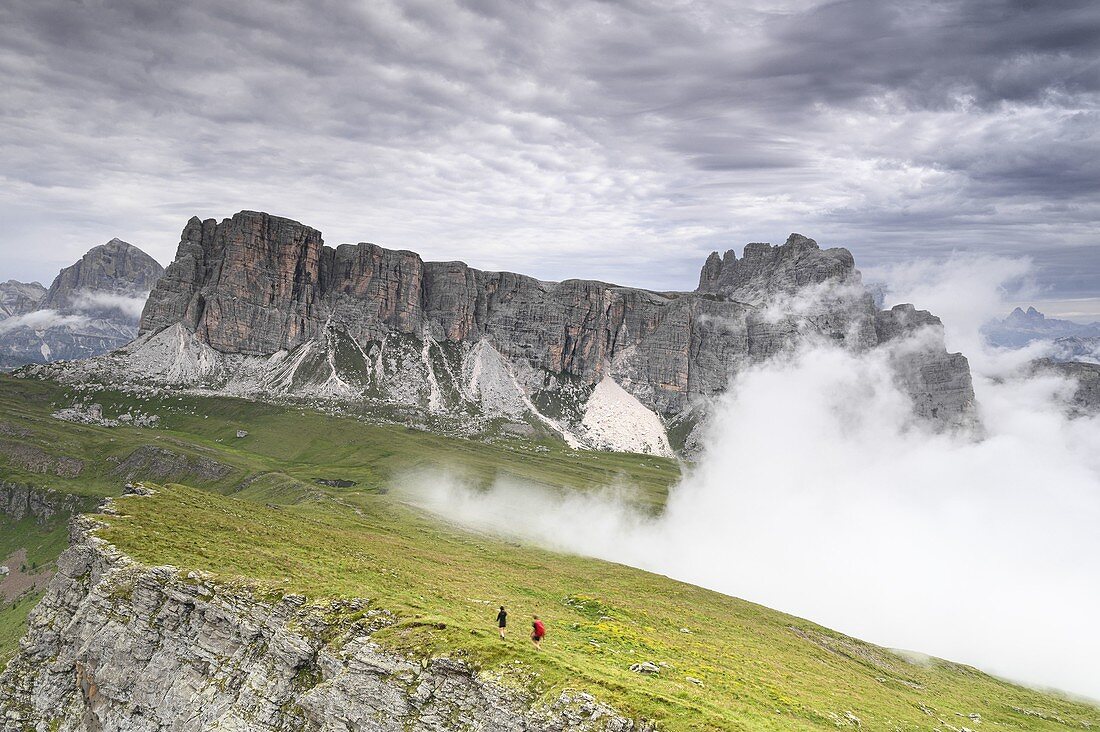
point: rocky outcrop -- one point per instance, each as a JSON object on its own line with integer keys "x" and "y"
{"x": 765, "y": 271}
{"x": 36, "y": 460}
{"x": 938, "y": 381}
{"x": 258, "y": 305}
{"x": 1086, "y": 378}
{"x": 118, "y": 646}
{"x": 91, "y": 308}
{"x": 150, "y": 462}
{"x": 17, "y": 501}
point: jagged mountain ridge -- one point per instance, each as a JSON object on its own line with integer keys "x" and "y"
{"x": 90, "y": 308}
{"x": 258, "y": 305}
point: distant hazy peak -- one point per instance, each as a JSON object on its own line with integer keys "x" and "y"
{"x": 1031, "y": 315}
{"x": 1021, "y": 327}
{"x": 92, "y": 307}
{"x": 114, "y": 267}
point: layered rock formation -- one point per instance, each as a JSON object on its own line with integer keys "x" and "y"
{"x": 258, "y": 305}
{"x": 119, "y": 646}
{"x": 91, "y": 308}
{"x": 18, "y": 501}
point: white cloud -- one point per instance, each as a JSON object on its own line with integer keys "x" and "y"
{"x": 92, "y": 301}
{"x": 41, "y": 320}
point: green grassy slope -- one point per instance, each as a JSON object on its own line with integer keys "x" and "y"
{"x": 268, "y": 522}
{"x": 13, "y": 623}
{"x": 299, "y": 444}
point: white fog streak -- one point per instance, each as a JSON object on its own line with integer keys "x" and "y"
{"x": 128, "y": 305}
{"x": 818, "y": 496}
{"x": 42, "y": 320}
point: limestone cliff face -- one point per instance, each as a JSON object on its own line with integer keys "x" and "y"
{"x": 258, "y": 304}
{"x": 256, "y": 284}
{"x": 18, "y": 501}
{"x": 938, "y": 381}
{"x": 119, "y": 647}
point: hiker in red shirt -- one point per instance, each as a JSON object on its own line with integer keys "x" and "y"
{"x": 538, "y": 630}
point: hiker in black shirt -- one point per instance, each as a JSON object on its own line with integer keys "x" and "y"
{"x": 502, "y": 620}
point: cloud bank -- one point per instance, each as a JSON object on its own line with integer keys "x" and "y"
{"x": 818, "y": 495}
{"x": 43, "y": 320}
{"x": 90, "y": 301}
{"x": 86, "y": 308}
{"x": 560, "y": 137}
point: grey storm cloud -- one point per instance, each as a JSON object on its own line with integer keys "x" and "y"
{"x": 619, "y": 140}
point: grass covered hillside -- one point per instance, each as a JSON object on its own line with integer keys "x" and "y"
{"x": 251, "y": 509}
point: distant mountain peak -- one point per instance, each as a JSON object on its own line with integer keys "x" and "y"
{"x": 1031, "y": 317}
{"x": 91, "y": 307}
{"x": 115, "y": 267}
{"x": 1021, "y": 327}
{"x": 17, "y": 298}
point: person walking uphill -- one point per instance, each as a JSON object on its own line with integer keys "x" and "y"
{"x": 538, "y": 630}
{"x": 502, "y": 621}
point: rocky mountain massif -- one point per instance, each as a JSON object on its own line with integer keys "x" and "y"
{"x": 91, "y": 308}
{"x": 257, "y": 305}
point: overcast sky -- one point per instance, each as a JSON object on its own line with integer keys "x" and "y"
{"x": 617, "y": 140}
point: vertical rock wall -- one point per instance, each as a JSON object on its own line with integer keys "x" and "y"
{"x": 258, "y": 285}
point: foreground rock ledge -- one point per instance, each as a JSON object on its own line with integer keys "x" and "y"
{"x": 115, "y": 645}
